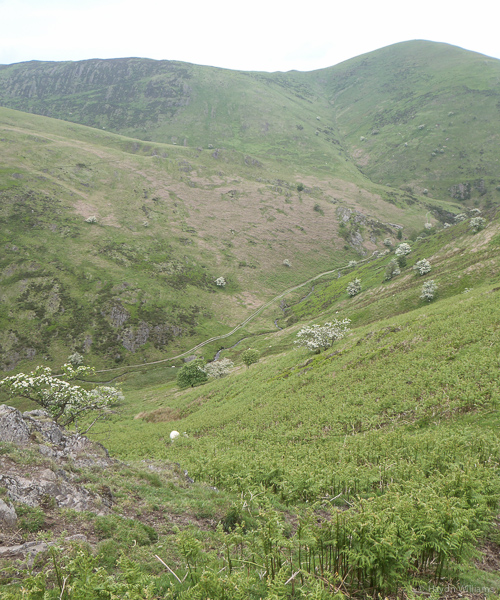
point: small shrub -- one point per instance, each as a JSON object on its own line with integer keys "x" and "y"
{"x": 392, "y": 270}
{"x": 287, "y": 263}
{"x": 235, "y": 517}
{"x": 220, "y": 281}
{"x": 354, "y": 287}
{"x": 92, "y": 219}
{"x": 31, "y": 519}
{"x": 124, "y": 531}
{"x": 387, "y": 242}
{"x": 351, "y": 264}
{"x": 192, "y": 374}
{"x": 460, "y": 217}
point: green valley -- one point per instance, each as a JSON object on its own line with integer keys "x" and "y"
{"x": 156, "y": 212}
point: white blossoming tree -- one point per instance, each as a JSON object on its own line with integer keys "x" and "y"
{"x": 66, "y": 403}
{"x": 422, "y": 266}
{"x": 218, "y": 368}
{"x": 220, "y": 281}
{"x": 478, "y": 223}
{"x": 428, "y": 290}
{"x": 320, "y": 337}
{"x": 354, "y": 287}
{"x": 403, "y": 249}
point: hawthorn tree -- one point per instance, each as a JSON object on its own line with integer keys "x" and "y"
{"x": 403, "y": 249}
{"x": 66, "y": 403}
{"x": 192, "y": 374}
{"x": 428, "y": 290}
{"x": 422, "y": 266}
{"x": 218, "y": 368}
{"x": 321, "y": 337}
{"x": 354, "y": 287}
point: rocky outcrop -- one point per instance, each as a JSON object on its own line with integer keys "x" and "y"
{"x": 12, "y": 426}
{"x": 45, "y": 486}
{"x": 39, "y": 484}
{"x": 8, "y": 516}
{"x": 53, "y": 441}
{"x": 31, "y": 549}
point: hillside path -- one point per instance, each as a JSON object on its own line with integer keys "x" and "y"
{"x": 239, "y": 326}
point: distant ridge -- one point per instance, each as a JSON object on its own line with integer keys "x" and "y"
{"x": 417, "y": 113}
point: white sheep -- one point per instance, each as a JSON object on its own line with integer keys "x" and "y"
{"x": 174, "y": 435}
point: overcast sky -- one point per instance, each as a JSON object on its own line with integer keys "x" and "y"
{"x": 257, "y": 35}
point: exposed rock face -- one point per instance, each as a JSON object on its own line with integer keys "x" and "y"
{"x": 12, "y": 426}
{"x": 44, "y": 484}
{"x": 133, "y": 337}
{"x": 117, "y": 315}
{"x": 460, "y": 191}
{"x": 8, "y": 516}
{"x": 53, "y": 440}
{"x": 35, "y": 485}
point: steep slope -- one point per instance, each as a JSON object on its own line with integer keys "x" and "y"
{"x": 180, "y": 103}
{"x": 421, "y": 115}
{"x": 366, "y": 469}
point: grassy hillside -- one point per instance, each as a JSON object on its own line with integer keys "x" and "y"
{"x": 138, "y": 284}
{"x": 421, "y": 115}
{"x": 368, "y": 468}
